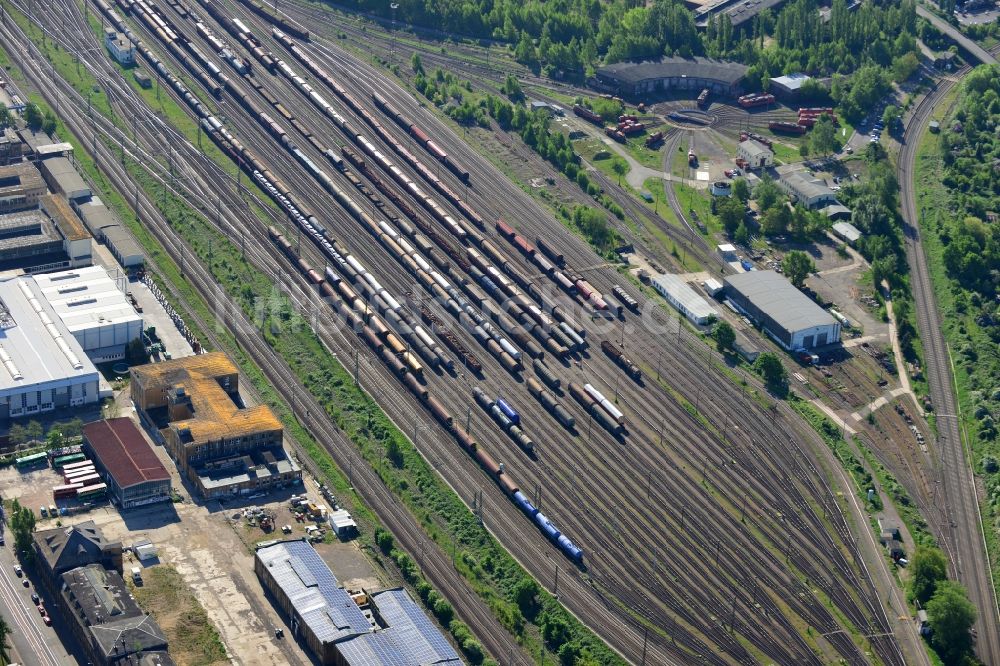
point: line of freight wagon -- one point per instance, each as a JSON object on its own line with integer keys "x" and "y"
{"x": 440, "y": 413}
{"x": 507, "y": 354}
{"x": 421, "y": 136}
{"x": 518, "y": 306}
{"x": 289, "y": 203}
{"x": 361, "y": 111}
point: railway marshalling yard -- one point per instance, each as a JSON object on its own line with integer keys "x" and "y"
{"x": 717, "y": 528}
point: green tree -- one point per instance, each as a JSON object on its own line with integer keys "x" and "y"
{"x": 4, "y": 646}
{"x": 33, "y": 116}
{"x": 775, "y": 220}
{"x": 891, "y": 116}
{"x": 17, "y": 435}
{"x": 730, "y": 213}
{"x": 904, "y": 66}
{"x": 928, "y": 566}
{"x": 951, "y": 616}
{"x": 55, "y": 439}
{"x": 417, "y": 64}
{"x": 797, "y": 266}
{"x": 620, "y": 167}
{"x": 22, "y": 524}
{"x": 823, "y": 137}
{"x": 724, "y": 335}
{"x": 34, "y": 431}
{"x": 769, "y": 366}
{"x": 49, "y": 123}
{"x": 741, "y": 190}
{"x": 742, "y": 235}
{"x": 443, "y": 611}
{"x": 526, "y": 596}
{"x": 5, "y": 116}
{"x": 767, "y": 193}
{"x": 393, "y": 452}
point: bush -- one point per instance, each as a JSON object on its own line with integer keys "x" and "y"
{"x": 443, "y": 611}
{"x": 384, "y": 540}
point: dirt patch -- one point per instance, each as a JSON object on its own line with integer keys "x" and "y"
{"x": 191, "y": 636}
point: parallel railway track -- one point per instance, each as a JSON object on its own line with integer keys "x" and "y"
{"x": 680, "y": 601}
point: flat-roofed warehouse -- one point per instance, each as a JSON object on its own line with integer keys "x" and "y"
{"x": 42, "y": 366}
{"x": 737, "y": 11}
{"x": 127, "y": 462}
{"x": 63, "y": 178}
{"x": 106, "y": 229}
{"x": 785, "y": 313}
{"x": 94, "y": 308}
{"x": 634, "y": 79}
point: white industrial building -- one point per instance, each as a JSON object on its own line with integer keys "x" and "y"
{"x": 786, "y": 314}
{"x": 687, "y": 301}
{"x": 847, "y": 231}
{"x": 43, "y": 366}
{"x": 808, "y": 191}
{"x": 755, "y": 154}
{"x": 94, "y": 308}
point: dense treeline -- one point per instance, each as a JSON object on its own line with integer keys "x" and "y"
{"x": 970, "y": 152}
{"x": 568, "y": 38}
{"x": 970, "y": 147}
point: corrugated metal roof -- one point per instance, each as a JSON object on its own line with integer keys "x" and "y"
{"x": 778, "y": 298}
{"x": 125, "y": 452}
{"x": 312, "y": 589}
{"x": 696, "y": 306}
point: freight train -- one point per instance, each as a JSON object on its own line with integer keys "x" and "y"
{"x": 283, "y": 22}
{"x": 588, "y": 115}
{"x": 344, "y": 299}
{"x": 755, "y": 99}
{"x": 788, "y": 128}
{"x": 421, "y": 136}
{"x": 506, "y": 417}
{"x": 621, "y": 359}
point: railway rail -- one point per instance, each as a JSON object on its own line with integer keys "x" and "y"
{"x": 962, "y": 523}
{"x": 683, "y": 600}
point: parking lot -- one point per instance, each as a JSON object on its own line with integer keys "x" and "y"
{"x": 211, "y": 546}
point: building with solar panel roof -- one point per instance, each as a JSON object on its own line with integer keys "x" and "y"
{"x": 406, "y": 636}
{"x": 327, "y": 618}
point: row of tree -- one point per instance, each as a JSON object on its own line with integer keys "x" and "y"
{"x": 569, "y": 38}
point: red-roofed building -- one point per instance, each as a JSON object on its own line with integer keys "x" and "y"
{"x": 125, "y": 458}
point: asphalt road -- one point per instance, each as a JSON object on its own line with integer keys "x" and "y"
{"x": 968, "y": 45}
{"x": 35, "y": 643}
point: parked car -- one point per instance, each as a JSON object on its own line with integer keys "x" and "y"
{"x": 47, "y": 620}
{"x": 41, "y": 609}
{"x": 34, "y": 599}
{"x": 17, "y": 570}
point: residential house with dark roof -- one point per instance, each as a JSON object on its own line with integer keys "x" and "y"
{"x": 64, "y": 548}
{"x": 106, "y": 620}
